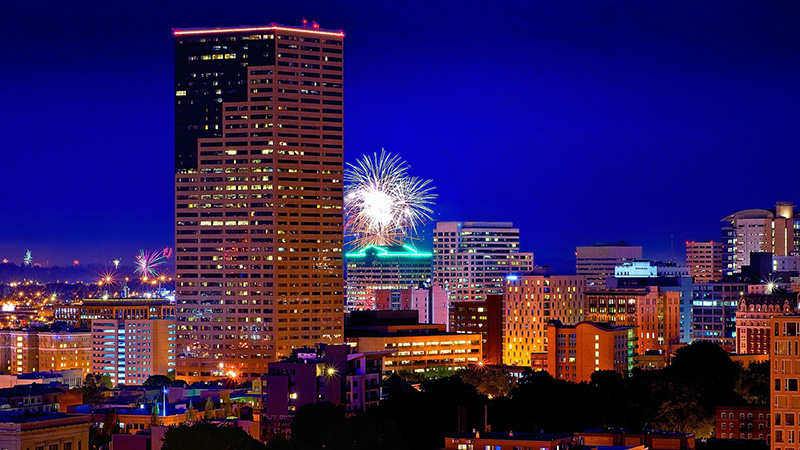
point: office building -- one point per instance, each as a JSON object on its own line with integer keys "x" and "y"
{"x": 575, "y": 352}
{"x": 714, "y": 311}
{"x": 597, "y": 262}
{"x": 655, "y": 314}
{"x": 642, "y": 268}
{"x": 752, "y": 319}
{"x": 775, "y": 231}
{"x": 784, "y": 361}
{"x": 80, "y": 315}
{"x": 471, "y": 259}
{"x": 377, "y": 268}
{"x": 410, "y": 345}
{"x": 259, "y": 168}
{"x": 130, "y": 351}
{"x": 529, "y": 303}
{"x": 430, "y": 301}
{"x": 484, "y": 318}
{"x": 28, "y": 351}
{"x": 704, "y": 259}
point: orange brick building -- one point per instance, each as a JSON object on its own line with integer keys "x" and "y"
{"x": 655, "y": 314}
{"x": 575, "y": 352}
{"x": 742, "y": 422}
{"x": 752, "y": 320}
{"x": 784, "y": 364}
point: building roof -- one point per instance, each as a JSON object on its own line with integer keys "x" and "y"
{"x": 540, "y": 437}
{"x": 312, "y": 28}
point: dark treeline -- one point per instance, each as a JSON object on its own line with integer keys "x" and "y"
{"x": 682, "y": 397}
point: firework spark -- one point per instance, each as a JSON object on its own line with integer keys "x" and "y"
{"x": 383, "y": 204}
{"x": 147, "y": 262}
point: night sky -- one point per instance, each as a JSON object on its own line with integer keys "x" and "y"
{"x": 580, "y": 121}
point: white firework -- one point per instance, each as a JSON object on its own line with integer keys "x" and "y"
{"x": 382, "y": 203}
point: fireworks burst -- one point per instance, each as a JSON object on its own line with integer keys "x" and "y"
{"x": 382, "y": 203}
{"x": 147, "y": 262}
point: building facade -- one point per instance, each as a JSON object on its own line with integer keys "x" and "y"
{"x": 704, "y": 259}
{"x": 597, "y": 262}
{"x": 655, "y": 315}
{"x": 80, "y": 315}
{"x": 431, "y": 302}
{"x": 742, "y": 422}
{"x": 130, "y": 351}
{"x": 259, "y": 168}
{"x": 471, "y": 259}
{"x": 28, "y": 351}
{"x": 752, "y": 320}
{"x": 380, "y": 268}
{"x": 714, "y": 311}
{"x": 577, "y": 351}
{"x": 784, "y": 361}
{"x": 759, "y": 230}
{"x": 529, "y": 303}
{"x": 484, "y": 318}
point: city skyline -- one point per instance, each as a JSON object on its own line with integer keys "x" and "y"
{"x": 676, "y": 108}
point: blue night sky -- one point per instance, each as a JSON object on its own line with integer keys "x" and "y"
{"x": 579, "y": 121}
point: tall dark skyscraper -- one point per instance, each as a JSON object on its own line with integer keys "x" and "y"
{"x": 259, "y": 163}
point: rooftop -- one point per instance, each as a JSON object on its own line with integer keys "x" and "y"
{"x": 312, "y": 28}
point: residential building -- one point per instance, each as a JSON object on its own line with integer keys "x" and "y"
{"x": 259, "y": 208}
{"x": 742, "y": 422}
{"x": 655, "y": 314}
{"x": 704, "y": 259}
{"x": 597, "y": 262}
{"x": 431, "y": 301}
{"x": 529, "y": 303}
{"x": 714, "y": 311}
{"x": 471, "y": 259}
{"x": 575, "y": 352}
{"x": 409, "y": 344}
{"x": 130, "y": 351}
{"x": 377, "y": 268}
{"x": 80, "y": 315}
{"x": 484, "y": 318}
{"x": 27, "y": 351}
{"x": 784, "y": 361}
{"x": 51, "y": 431}
{"x": 759, "y": 230}
{"x": 752, "y": 319}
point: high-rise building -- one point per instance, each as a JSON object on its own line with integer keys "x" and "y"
{"x": 655, "y": 314}
{"x": 774, "y": 231}
{"x": 714, "y": 311}
{"x": 752, "y": 319}
{"x": 377, "y": 268}
{"x": 784, "y": 361}
{"x": 471, "y": 259}
{"x": 704, "y": 259}
{"x": 259, "y": 169}
{"x": 130, "y": 351}
{"x": 577, "y": 351}
{"x": 484, "y": 318}
{"x": 597, "y": 262}
{"x": 529, "y": 303}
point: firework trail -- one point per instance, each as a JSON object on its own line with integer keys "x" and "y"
{"x": 383, "y": 204}
{"x": 147, "y": 262}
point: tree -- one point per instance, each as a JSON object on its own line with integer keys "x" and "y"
{"x": 157, "y": 381}
{"x": 208, "y": 409}
{"x": 489, "y": 382}
{"x": 753, "y": 384}
{"x": 312, "y": 424}
{"x": 208, "y": 436}
{"x": 92, "y": 392}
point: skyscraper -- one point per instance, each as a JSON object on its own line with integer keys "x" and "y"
{"x": 259, "y": 162}
{"x": 775, "y": 231}
{"x": 471, "y": 259}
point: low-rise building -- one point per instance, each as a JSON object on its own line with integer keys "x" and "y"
{"x": 508, "y": 441}
{"x": 752, "y": 319}
{"x": 51, "y": 431}
{"x": 483, "y": 317}
{"x": 742, "y": 422}
{"x": 409, "y": 344}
